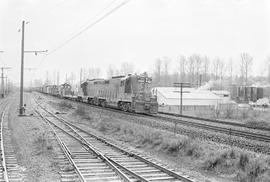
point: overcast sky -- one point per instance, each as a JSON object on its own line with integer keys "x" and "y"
{"x": 139, "y": 32}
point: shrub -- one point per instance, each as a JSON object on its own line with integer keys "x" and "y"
{"x": 80, "y": 110}
{"x": 244, "y": 114}
{"x": 243, "y": 161}
{"x": 64, "y": 104}
{"x": 102, "y": 126}
{"x": 255, "y": 171}
{"x": 229, "y": 111}
{"x": 255, "y": 123}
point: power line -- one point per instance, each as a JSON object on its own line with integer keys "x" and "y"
{"x": 92, "y": 18}
{"x": 82, "y": 26}
{"x": 89, "y": 26}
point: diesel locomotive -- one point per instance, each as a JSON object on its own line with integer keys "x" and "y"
{"x": 129, "y": 93}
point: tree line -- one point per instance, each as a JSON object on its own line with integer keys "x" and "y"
{"x": 198, "y": 69}
{"x": 195, "y": 69}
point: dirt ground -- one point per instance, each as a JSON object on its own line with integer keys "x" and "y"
{"x": 92, "y": 121}
{"x": 34, "y": 144}
{"x": 36, "y": 147}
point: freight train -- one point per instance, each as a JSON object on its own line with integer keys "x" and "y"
{"x": 129, "y": 93}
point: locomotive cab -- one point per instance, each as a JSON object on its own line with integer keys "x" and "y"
{"x": 138, "y": 88}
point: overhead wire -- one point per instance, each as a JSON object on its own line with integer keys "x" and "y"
{"x": 87, "y": 26}
{"x": 92, "y": 18}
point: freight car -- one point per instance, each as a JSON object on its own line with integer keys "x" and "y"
{"x": 129, "y": 93}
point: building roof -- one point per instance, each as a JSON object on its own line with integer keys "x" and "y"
{"x": 188, "y": 93}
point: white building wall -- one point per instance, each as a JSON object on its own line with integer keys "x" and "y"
{"x": 189, "y": 99}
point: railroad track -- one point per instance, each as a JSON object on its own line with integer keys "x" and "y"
{"x": 9, "y": 169}
{"x": 219, "y": 129}
{"x": 195, "y": 124}
{"x": 216, "y": 121}
{"x": 95, "y": 158}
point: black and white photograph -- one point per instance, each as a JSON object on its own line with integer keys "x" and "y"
{"x": 134, "y": 91}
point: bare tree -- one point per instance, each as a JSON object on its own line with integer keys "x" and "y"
{"x": 218, "y": 68}
{"x": 198, "y": 67}
{"x": 112, "y": 71}
{"x": 205, "y": 62}
{"x": 165, "y": 80}
{"x": 268, "y": 66}
{"x": 182, "y": 60}
{"x": 191, "y": 69}
{"x": 127, "y": 68}
{"x": 222, "y": 69}
{"x": 245, "y": 66}
{"x": 157, "y": 71}
{"x": 230, "y": 70}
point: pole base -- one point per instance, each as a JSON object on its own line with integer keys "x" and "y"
{"x": 21, "y": 112}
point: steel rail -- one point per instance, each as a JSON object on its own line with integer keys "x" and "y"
{"x": 6, "y": 178}
{"x": 99, "y": 153}
{"x": 170, "y": 114}
{"x": 215, "y": 121}
{"x": 64, "y": 148}
{"x": 169, "y": 172}
{"x": 92, "y": 149}
{"x": 229, "y": 131}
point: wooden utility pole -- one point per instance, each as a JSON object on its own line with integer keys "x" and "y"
{"x": 7, "y": 90}
{"x": 57, "y": 78}
{"x": 21, "y": 109}
{"x": 80, "y": 76}
{"x": 181, "y": 85}
{"x": 3, "y": 82}
{"x": 22, "y": 69}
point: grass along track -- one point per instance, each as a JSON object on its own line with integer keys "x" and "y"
{"x": 216, "y": 121}
{"x": 135, "y": 166}
{"x": 196, "y": 124}
{"x": 229, "y": 131}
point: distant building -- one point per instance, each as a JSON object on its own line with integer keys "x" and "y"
{"x": 191, "y": 96}
{"x": 224, "y": 94}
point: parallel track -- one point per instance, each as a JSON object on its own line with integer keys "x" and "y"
{"x": 124, "y": 164}
{"x": 9, "y": 169}
{"x": 228, "y": 131}
{"x": 216, "y": 121}
{"x": 191, "y": 123}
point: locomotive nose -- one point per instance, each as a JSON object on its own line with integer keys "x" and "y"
{"x": 146, "y": 106}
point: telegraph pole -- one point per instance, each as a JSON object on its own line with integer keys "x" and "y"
{"x": 181, "y": 85}
{"x": 6, "y": 85}
{"x": 21, "y": 109}
{"x": 3, "y": 82}
{"x": 57, "y": 78}
{"x": 22, "y": 69}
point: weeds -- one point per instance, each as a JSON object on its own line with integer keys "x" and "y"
{"x": 80, "y": 110}
{"x": 237, "y": 163}
{"x": 64, "y": 104}
{"x": 42, "y": 144}
{"x": 254, "y": 123}
{"x": 255, "y": 171}
{"x": 243, "y": 161}
{"x": 229, "y": 112}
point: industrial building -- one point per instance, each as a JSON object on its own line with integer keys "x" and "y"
{"x": 191, "y": 96}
